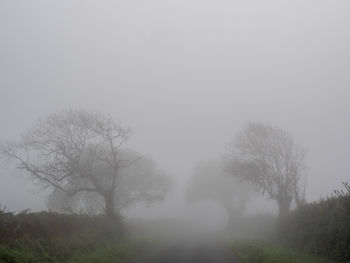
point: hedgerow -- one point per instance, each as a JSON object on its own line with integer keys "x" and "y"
{"x": 53, "y": 237}
{"x": 321, "y": 228}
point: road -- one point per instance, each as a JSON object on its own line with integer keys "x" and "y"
{"x": 188, "y": 252}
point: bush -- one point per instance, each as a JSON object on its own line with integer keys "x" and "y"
{"x": 260, "y": 252}
{"x": 322, "y": 228}
{"x": 47, "y": 236}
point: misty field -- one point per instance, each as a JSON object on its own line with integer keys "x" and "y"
{"x": 174, "y": 131}
{"x": 94, "y": 179}
{"x": 314, "y": 233}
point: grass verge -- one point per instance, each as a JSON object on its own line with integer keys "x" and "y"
{"x": 260, "y": 252}
{"x": 113, "y": 254}
{"x": 37, "y": 253}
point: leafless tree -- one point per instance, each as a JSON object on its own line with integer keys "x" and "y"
{"x": 73, "y": 151}
{"x": 268, "y": 158}
{"x": 142, "y": 183}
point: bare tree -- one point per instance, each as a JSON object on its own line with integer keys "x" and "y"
{"x": 141, "y": 183}
{"x": 268, "y": 158}
{"x": 73, "y": 151}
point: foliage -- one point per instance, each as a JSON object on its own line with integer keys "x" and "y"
{"x": 52, "y": 237}
{"x": 111, "y": 254}
{"x": 259, "y": 252}
{"x": 35, "y": 252}
{"x": 321, "y": 228}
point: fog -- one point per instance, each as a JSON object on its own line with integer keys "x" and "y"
{"x": 185, "y": 76}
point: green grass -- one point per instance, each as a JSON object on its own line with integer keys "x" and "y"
{"x": 113, "y": 254}
{"x": 259, "y": 252}
{"x": 37, "y": 253}
{"x": 47, "y": 237}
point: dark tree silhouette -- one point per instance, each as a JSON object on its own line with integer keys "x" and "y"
{"x": 268, "y": 158}
{"x": 141, "y": 183}
{"x": 73, "y": 151}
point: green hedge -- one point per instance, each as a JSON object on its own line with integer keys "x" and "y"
{"x": 322, "y": 228}
{"x": 51, "y": 237}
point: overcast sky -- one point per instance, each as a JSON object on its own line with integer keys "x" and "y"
{"x": 185, "y": 75}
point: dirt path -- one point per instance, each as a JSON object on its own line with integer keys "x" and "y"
{"x": 185, "y": 252}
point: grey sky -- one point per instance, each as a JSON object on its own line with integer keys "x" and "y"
{"x": 184, "y": 75}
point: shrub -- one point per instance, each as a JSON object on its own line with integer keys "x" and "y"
{"x": 44, "y": 236}
{"x": 261, "y": 252}
{"x": 322, "y": 228}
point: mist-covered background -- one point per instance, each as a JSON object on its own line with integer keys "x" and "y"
{"x": 184, "y": 75}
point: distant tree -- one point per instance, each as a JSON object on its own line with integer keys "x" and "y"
{"x": 267, "y": 157}
{"x": 74, "y": 151}
{"x": 141, "y": 183}
{"x": 210, "y": 182}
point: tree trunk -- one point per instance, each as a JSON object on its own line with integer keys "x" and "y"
{"x": 284, "y": 204}
{"x": 109, "y": 205}
{"x": 113, "y": 224}
{"x": 299, "y": 197}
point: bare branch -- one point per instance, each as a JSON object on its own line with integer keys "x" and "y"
{"x": 268, "y": 157}
{"x": 67, "y": 151}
